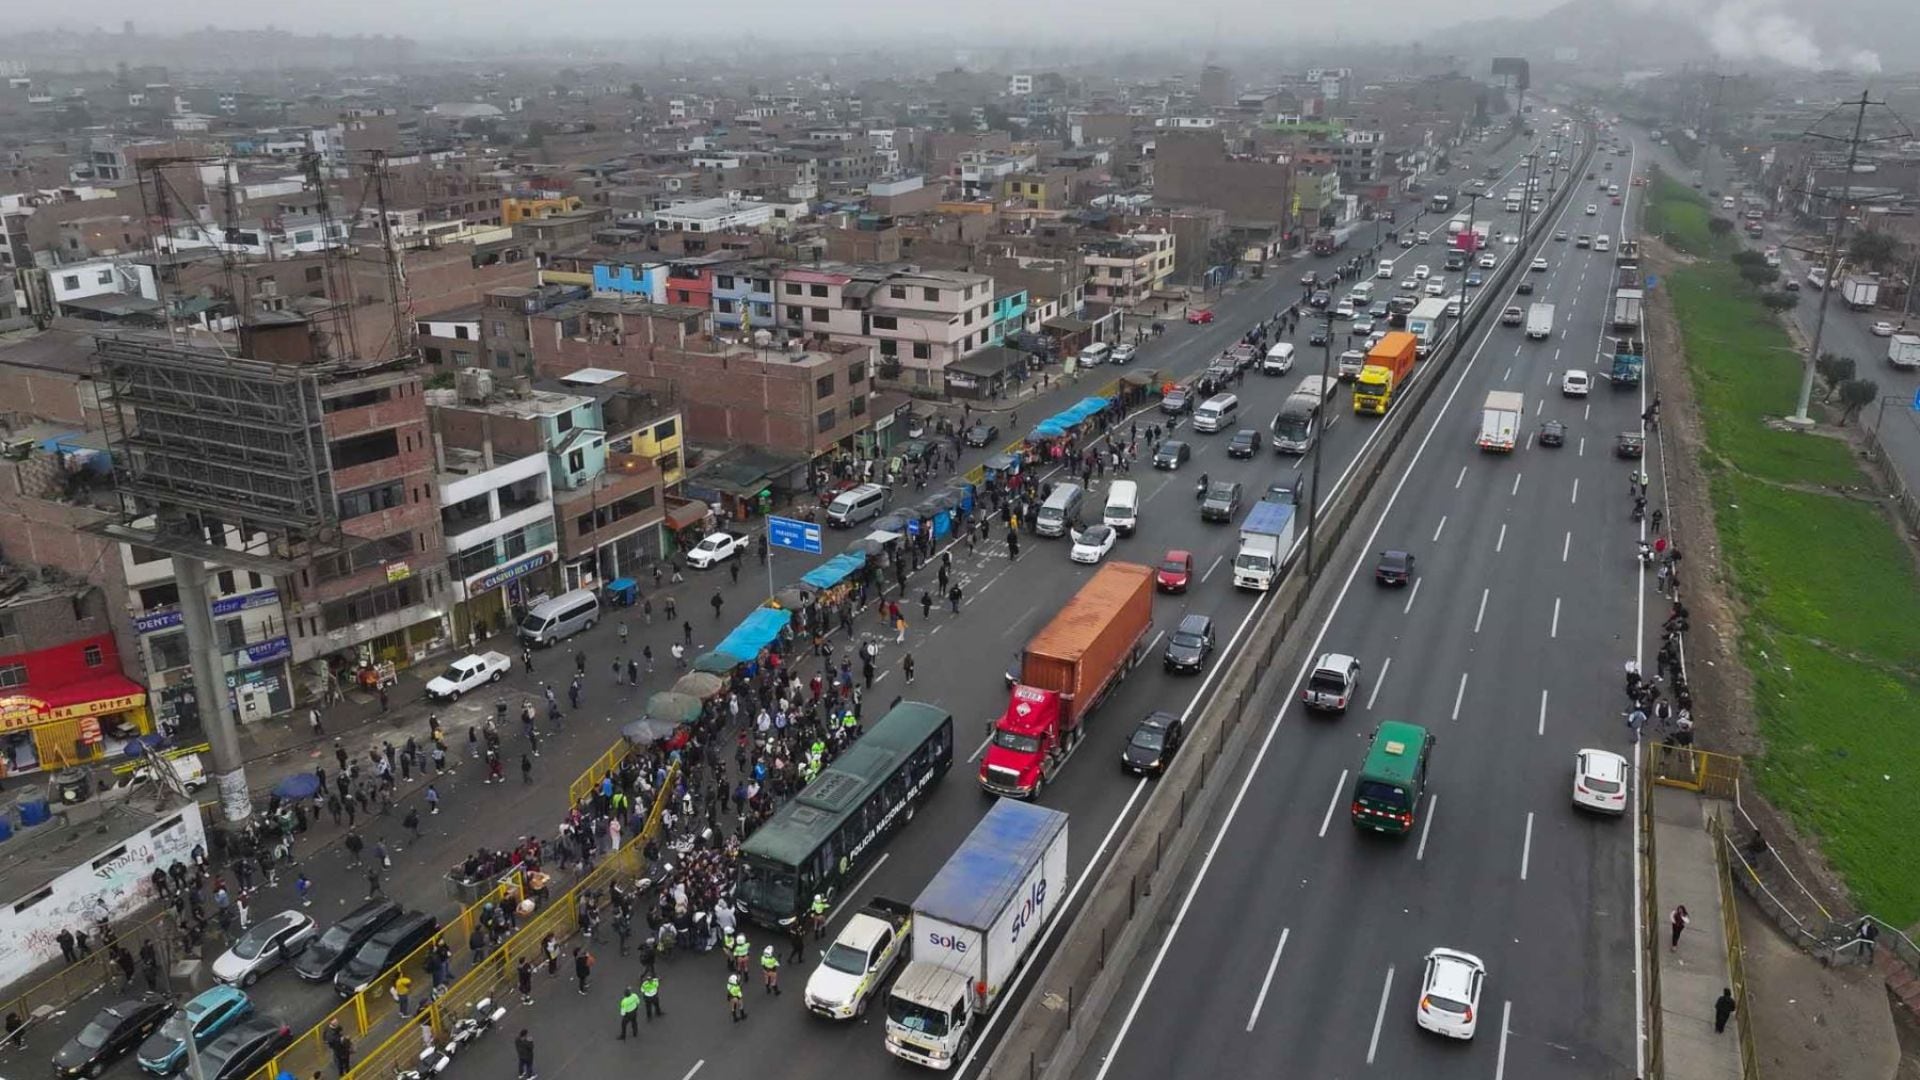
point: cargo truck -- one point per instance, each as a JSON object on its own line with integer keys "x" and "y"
{"x": 1329, "y": 241}
{"x": 1627, "y": 362}
{"x": 1388, "y": 365}
{"x": 1860, "y": 291}
{"x": 1903, "y": 350}
{"x": 1539, "y": 321}
{"x": 1424, "y": 323}
{"x": 1500, "y": 420}
{"x": 1265, "y": 539}
{"x": 973, "y": 925}
{"x": 1065, "y": 672}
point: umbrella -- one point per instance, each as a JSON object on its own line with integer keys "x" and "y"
{"x": 791, "y": 597}
{"x": 300, "y": 785}
{"x": 673, "y": 708}
{"x": 699, "y": 685}
{"x": 647, "y": 729}
{"x": 716, "y": 663}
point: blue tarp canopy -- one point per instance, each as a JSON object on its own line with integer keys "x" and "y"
{"x": 835, "y": 570}
{"x": 754, "y": 633}
{"x": 1062, "y": 422}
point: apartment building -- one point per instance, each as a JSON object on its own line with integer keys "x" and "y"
{"x": 1124, "y": 271}
{"x": 64, "y": 699}
{"x": 920, "y": 321}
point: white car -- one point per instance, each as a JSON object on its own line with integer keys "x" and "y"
{"x": 1592, "y": 209}
{"x": 1488, "y": 262}
{"x": 1455, "y": 305}
{"x": 1362, "y": 324}
{"x": 1450, "y": 993}
{"x": 1883, "y": 329}
{"x": 1436, "y": 288}
{"x": 1575, "y": 383}
{"x": 1343, "y": 310}
{"x": 1421, "y": 273}
{"x": 265, "y": 945}
{"x": 1091, "y": 544}
{"x": 1410, "y": 286}
{"x": 1510, "y": 239}
{"x": 1539, "y": 265}
{"x": 1121, "y": 354}
{"x": 1600, "y": 781}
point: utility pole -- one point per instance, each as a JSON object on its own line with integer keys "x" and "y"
{"x": 1313, "y": 493}
{"x": 1831, "y": 263}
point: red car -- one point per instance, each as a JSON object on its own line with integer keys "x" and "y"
{"x": 832, "y": 491}
{"x": 1176, "y": 570}
{"x": 1616, "y": 200}
{"x": 1200, "y": 315}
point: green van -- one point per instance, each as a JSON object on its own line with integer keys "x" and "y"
{"x": 1386, "y": 797}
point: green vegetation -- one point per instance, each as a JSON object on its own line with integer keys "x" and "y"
{"x": 1829, "y": 587}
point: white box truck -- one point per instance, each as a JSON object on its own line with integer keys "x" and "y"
{"x": 1903, "y": 350}
{"x": 979, "y": 917}
{"x": 1500, "y": 420}
{"x": 1539, "y": 321}
{"x": 1860, "y": 291}
{"x": 1424, "y": 322}
{"x": 1265, "y": 539}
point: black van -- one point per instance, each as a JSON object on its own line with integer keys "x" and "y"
{"x": 394, "y": 943}
{"x": 322, "y": 959}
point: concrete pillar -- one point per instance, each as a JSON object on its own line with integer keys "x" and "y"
{"x": 210, "y": 687}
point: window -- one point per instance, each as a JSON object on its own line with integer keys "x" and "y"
{"x": 684, "y": 296}
{"x": 898, "y": 292}
{"x": 823, "y": 386}
{"x": 885, "y": 322}
{"x": 723, "y": 281}
{"x": 563, "y": 421}
{"x": 858, "y": 406}
{"x": 816, "y": 290}
{"x": 932, "y": 296}
{"x": 922, "y": 351}
{"x": 502, "y": 359}
{"x": 104, "y": 277}
{"x": 793, "y": 288}
{"x": 315, "y": 273}
{"x": 818, "y": 314}
{"x": 223, "y": 582}
{"x": 254, "y": 580}
{"x": 856, "y": 373}
{"x": 364, "y": 449}
{"x": 665, "y": 429}
{"x": 144, "y": 555}
{"x": 371, "y": 500}
{"x": 499, "y": 328}
{"x": 577, "y": 461}
{"x": 889, "y": 347}
{"x": 166, "y": 594}
{"x": 168, "y": 650}
{"x": 70, "y": 281}
{"x": 824, "y": 422}
{"x": 668, "y": 462}
{"x": 9, "y": 626}
{"x": 231, "y": 633}
{"x": 796, "y": 314}
{"x": 13, "y": 675}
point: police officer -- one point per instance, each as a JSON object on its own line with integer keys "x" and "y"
{"x": 650, "y": 995}
{"x": 770, "y": 970}
{"x": 629, "y": 1013}
{"x": 742, "y": 953}
{"x": 819, "y": 913}
{"x": 726, "y": 945}
{"x": 736, "y": 1004}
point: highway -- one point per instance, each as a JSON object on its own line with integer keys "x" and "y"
{"x": 959, "y": 660}
{"x": 1298, "y": 941}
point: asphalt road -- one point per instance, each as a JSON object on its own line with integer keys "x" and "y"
{"x": 1304, "y": 943}
{"x": 958, "y": 659}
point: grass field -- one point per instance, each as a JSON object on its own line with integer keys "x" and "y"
{"x": 1679, "y": 215}
{"x": 1830, "y": 590}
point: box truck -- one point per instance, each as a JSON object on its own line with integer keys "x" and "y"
{"x": 1500, "y": 420}
{"x": 1388, "y": 366}
{"x": 1265, "y": 538}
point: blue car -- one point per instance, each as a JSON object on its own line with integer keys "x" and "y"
{"x": 1474, "y": 278}
{"x": 206, "y": 1016}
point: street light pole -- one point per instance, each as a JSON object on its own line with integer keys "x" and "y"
{"x": 1313, "y": 493}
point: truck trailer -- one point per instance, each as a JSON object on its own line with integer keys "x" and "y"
{"x": 1539, "y": 320}
{"x": 973, "y": 925}
{"x": 1860, "y": 291}
{"x": 1389, "y": 364}
{"x": 1500, "y": 420}
{"x": 1065, "y": 672}
{"x": 1424, "y": 323}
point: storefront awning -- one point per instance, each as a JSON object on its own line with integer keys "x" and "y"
{"x": 687, "y": 514}
{"x": 100, "y": 696}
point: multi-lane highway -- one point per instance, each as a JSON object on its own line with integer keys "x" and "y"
{"x": 1298, "y": 943}
{"x": 959, "y": 660}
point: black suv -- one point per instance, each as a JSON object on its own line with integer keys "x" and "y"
{"x": 1244, "y": 444}
{"x": 1190, "y": 645}
{"x": 393, "y": 943}
{"x": 324, "y": 957}
{"x": 1222, "y": 501}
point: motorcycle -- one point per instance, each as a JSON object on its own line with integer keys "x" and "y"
{"x": 1646, "y": 553}
{"x": 478, "y": 1021}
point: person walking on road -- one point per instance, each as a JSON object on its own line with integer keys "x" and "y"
{"x": 736, "y": 1002}
{"x": 523, "y": 1052}
{"x": 1679, "y": 920}
{"x": 1723, "y": 1009}
{"x": 523, "y": 975}
{"x": 582, "y": 968}
{"x": 629, "y": 1014}
{"x": 717, "y": 603}
{"x": 906, "y": 664}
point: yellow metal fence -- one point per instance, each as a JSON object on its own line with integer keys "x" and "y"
{"x": 1736, "y": 952}
{"x": 70, "y": 983}
{"x": 608, "y": 762}
{"x": 1716, "y": 776}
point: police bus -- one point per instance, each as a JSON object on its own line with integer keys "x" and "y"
{"x": 821, "y": 841}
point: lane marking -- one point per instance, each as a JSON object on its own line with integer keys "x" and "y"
{"x": 1421, "y": 852}
{"x": 1151, "y": 645}
{"x": 1555, "y": 631}
{"x": 1566, "y": 545}
{"x": 1267, "y": 983}
{"x": 1386, "y": 991}
{"x": 1508, "y": 375}
{"x": 1457, "y": 480}
{"x": 1337, "y": 789}
{"x": 1500, "y": 542}
{"x": 1576, "y": 491}
{"x": 1218, "y": 559}
{"x": 984, "y": 743}
{"x": 1483, "y": 609}
{"x": 1516, "y": 483}
{"x": 1375, "y": 692}
{"x": 1437, "y": 528}
{"x": 697, "y": 1066}
{"x": 1459, "y": 695}
{"x": 1526, "y": 847}
{"x": 1506, "y": 1025}
{"x": 861, "y": 884}
{"x": 1542, "y": 729}
{"x": 1582, "y": 451}
{"x": 1412, "y": 596}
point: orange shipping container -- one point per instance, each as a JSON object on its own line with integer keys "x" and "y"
{"x": 1395, "y": 351}
{"x": 1094, "y": 638}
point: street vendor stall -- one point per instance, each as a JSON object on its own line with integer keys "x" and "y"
{"x": 752, "y": 636}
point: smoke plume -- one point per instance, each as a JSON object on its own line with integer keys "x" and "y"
{"x": 1761, "y": 32}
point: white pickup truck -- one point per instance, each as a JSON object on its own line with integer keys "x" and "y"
{"x": 470, "y": 672}
{"x": 855, "y": 967}
{"x": 717, "y": 547}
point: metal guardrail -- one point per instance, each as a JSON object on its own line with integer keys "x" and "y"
{"x": 1649, "y": 903}
{"x": 608, "y": 763}
{"x": 1736, "y": 953}
{"x": 94, "y": 971}
{"x": 1714, "y": 775}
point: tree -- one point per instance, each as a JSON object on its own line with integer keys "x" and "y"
{"x": 1719, "y": 226}
{"x": 1759, "y": 276}
{"x": 1856, "y": 394}
{"x": 1834, "y": 370}
{"x": 1870, "y": 247}
{"x": 1781, "y": 300}
{"x": 1746, "y": 257}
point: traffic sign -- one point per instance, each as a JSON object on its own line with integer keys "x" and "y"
{"x": 793, "y": 534}
{"x": 1916, "y": 401}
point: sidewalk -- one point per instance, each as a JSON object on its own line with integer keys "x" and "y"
{"x": 1691, "y": 977}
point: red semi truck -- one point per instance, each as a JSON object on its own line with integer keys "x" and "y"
{"x": 1067, "y": 669}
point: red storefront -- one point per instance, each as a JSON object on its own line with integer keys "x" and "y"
{"x": 68, "y": 704}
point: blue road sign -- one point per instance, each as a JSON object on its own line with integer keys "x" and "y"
{"x": 1916, "y": 401}
{"x": 1651, "y": 282}
{"x": 793, "y": 535}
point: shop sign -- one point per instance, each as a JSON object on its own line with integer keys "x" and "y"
{"x": 90, "y": 733}
{"x": 398, "y": 571}
{"x": 960, "y": 380}
{"x": 271, "y": 649}
{"x": 21, "y": 711}
{"x": 500, "y": 575}
{"x": 227, "y": 605}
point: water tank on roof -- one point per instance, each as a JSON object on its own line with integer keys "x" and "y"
{"x": 474, "y": 384}
{"x": 762, "y": 339}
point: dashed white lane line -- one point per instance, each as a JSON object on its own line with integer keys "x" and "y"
{"x": 1516, "y": 483}
{"x": 1421, "y": 852}
{"x": 1386, "y": 991}
{"x": 1576, "y": 491}
{"x": 697, "y": 1066}
{"x": 1411, "y": 597}
{"x": 1582, "y": 450}
{"x": 1566, "y": 545}
{"x": 1458, "y": 480}
{"x": 1526, "y": 847}
{"x": 1542, "y": 729}
{"x": 1481, "y": 616}
{"x": 1437, "y": 528}
{"x": 1218, "y": 559}
{"x": 1337, "y": 790}
{"x": 1500, "y": 542}
{"x": 1266, "y": 983}
{"x": 1506, "y": 1025}
{"x": 1459, "y": 696}
{"x": 1375, "y": 692}
{"x": 1554, "y": 631}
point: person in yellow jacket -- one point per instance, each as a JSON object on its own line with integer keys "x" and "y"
{"x": 629, "y": 1013}
{"x": 736, "y": 1003}
{"x": 770, "y": 970}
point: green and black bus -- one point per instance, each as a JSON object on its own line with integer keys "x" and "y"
{"x": 1386, "y": 797}
{"x": 819, "y": 843}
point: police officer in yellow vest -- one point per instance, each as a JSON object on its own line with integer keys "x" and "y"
{"x": 770, "y": 970}
{"x": 735, "y": 1003}
{"x": 819, "y": 913}
{"x": 742, "y": 952}
{"x": 650, "y": 996}
{"x": 629, "y": 1013}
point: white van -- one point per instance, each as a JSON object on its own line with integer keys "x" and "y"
{"x": 1385, "y": 270}
{"x": 855, "y": 505}
{"x": 1095, "y": 354}
{"x": 1279, "y": 359}
{"x": 1060, "y": 514}
{"x": 1362, "y": 294}
{"x": 1123, "y": 507}
{"x": 1603, "y": 242}
{"x": 561, "y": 617}
{"x": 1216, "y": 412}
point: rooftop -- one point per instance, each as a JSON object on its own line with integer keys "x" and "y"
{"x": 527, "y": 405}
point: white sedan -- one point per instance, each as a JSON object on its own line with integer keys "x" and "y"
{"x": 1091, "y": 544}
{"x": 1510, "y": 239}
{"x": 1410, "y": 285}
{"x": 1539, "y": 265}
{"x": 1436, "y": 288}
{"x": 1450, "y": 993}
{"x": 1600, "y": 781}
{"x": 262, "y": 947}
{"x": 1488, "y": 262}
{"x": 1592, "y": 209}
{"x": 1883, "y": 329}
{"x": 1421, "y": 273}
{"x": 1575, "y": 383}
